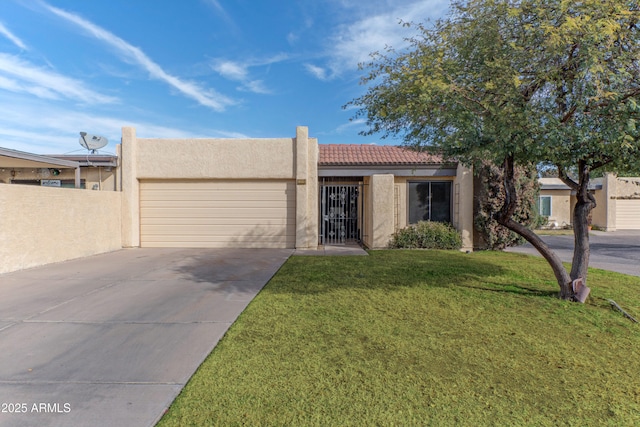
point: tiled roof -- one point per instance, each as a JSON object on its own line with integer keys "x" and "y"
{"x": 355, "y": 155}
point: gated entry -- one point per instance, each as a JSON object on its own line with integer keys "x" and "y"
{"x": 341, "y": 213}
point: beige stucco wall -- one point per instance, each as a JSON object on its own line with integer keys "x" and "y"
{"x": 306, "y": 173}
{"x": 41, "y": 225}
{"x": 604, "y": 214}
{"x": 627, "y": 188}
{"x": 560, "y": 207}
{"x": 252, "y": 158}
{"x": 463, "y": 205}
{"x": 380, "y": 204}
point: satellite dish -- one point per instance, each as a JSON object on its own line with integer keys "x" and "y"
{"x": 92, "y": 142}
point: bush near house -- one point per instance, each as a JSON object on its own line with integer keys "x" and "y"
{"x": 426, "y": 235}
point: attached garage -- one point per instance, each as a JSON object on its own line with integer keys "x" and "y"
{"x": 627, "y": 214}
{"x": 218, "y": 213}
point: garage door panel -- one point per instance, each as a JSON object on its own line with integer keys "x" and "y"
{"x": 217, "y": 213}
{"x": 253, "y": 213}
{"x": 215, "y": 204}
{"x": 219, "y": 230}
{"x": 225, "y": 244}
{"x": 207, "y": 220}
{"x": 211, "y": 196}
{"x": 628, "y": 214}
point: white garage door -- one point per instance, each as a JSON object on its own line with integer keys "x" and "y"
{"x": 628, "y": 214}
{"x": 217, "y": 214}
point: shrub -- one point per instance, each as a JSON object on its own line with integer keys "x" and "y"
{"x": 426, "y": 235}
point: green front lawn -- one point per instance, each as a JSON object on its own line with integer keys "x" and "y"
{"x": 422, "y": 338}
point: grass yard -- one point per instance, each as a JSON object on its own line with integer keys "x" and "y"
{"x": 422, "y": 338}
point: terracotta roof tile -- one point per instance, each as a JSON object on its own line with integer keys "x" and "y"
{"x": 356, "y": 154}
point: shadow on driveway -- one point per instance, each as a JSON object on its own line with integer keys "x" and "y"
{"x": 112, "y": 339}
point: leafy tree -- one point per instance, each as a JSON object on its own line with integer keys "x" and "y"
{"x": 519, "y": 82}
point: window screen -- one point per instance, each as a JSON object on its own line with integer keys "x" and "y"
{"x": 429, "y": 201}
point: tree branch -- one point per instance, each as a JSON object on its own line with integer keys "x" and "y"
{"x": 562, "y": 174}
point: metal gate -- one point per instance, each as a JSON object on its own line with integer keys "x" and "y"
{"x": 341, "y": 213}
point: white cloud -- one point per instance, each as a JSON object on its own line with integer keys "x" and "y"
{"x": 292, "y": 38}
{"x": 256, "y": 86}
{"x": 204, "y": 96}
{"x": 22, "y": 76}
{"x": 220, "y": 10}
{"x": 351, "y": 124}
{"x": 56, "y": 131}
{"x": 353, "y": 43}
{"x": 318, "y": 72}
{"x": 14, "y": 39}
{"x": 231, "y": 70}
{"x": 239, "y": 72}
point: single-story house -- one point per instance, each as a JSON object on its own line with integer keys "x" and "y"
{"x": 283, "y": 192}
{"x": 254, "y": 192}
{"x": 617, "y": 200}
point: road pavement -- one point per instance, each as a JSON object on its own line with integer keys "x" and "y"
{"x": 615, "y": 250}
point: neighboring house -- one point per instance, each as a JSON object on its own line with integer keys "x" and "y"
{"x": 42, "y": 223}
{"x": 92, "y": 171}
{"x": 617, "y": 200}
{"x": 554, "y": 202}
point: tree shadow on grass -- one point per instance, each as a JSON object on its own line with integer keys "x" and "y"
{"x": 515, "y": 289}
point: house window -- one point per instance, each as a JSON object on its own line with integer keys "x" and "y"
{"x": 545, "y": 205}
{"x": 429, "y": 201}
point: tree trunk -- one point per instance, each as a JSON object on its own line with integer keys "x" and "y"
{"x": 562, "y": 277}
{"x": 585, "y": 203}
{"x": 504, "y": 217}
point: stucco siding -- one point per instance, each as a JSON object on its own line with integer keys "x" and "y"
{"x": 41, "y": 225}
{"x": 216, "y": 158}
{"x": 560, "y": 207}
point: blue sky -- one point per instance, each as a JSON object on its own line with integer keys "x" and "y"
{"x": 189, "y": 68}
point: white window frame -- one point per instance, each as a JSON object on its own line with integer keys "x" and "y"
{"x": 540, "y": 206}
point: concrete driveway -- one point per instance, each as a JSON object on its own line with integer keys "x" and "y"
{"x": 110, "y": 340}
{"x": 615, "y": 251}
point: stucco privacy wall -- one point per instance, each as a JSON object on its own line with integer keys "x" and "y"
{"x": 41, "y": 225}
{"x": 212, "y": 159}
